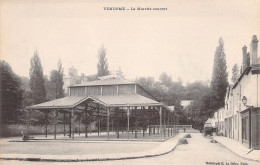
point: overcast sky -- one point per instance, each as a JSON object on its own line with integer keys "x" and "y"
{"x": 180, "y": 41}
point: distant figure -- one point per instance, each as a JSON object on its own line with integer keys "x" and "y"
{"x": 184, "y": 130}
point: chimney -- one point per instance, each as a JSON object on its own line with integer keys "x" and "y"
{"x": 244, "y": 65}
{"x": 253, "y": 51}
{"x": 248, "y": 59}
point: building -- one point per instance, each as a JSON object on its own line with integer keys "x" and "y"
{"x": 242, "y": 118}
{"x": 109, "y": 99}
{"x": 241, "y": 114}
{"x": 219, "y": 117}
{"x": 208, "y": 123}
{"x": 74, "y": 80}
{"x": 68, "y": 81}
{"x": 228, "y": 114}
{"x": 185, "y": 103}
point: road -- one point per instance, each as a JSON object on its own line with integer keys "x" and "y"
{"x": 199, "y": 150}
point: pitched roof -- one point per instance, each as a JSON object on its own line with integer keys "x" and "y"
{"x": 116, "y": 81}
{"x": 92, "y": 77}
{"x": 65, "y": 102}
{"x": 171, "y": 108}
{"x": 208, "y": 121}
{"x": 255, "y": 69}
{"x": 109, "y": 101}
{"x": 127, "y": 100}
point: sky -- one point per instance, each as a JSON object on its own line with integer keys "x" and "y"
{"x": 180, "y": 41}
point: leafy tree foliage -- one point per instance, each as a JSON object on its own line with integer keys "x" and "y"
{"x": 195, "y": 90}
{"x": 73, "y": 72}
{"x": 199, "y": 110}
{"x": 166, "y": 91}
{"x": 27, "y": 92}
{"x": 198, "y": 91}
{"x": 102, "y": 65}
{"x": 235, "y": 73}
{"x": 120, "y": 73}
{"x": 56, "y": 81}
{"x": 11, "y": 94}
{"x": 50, "y": 93}
{"x": 219, "y": 82}
{"x": 36, "y": 79}
{"x": 209, "y": 99}
{"x": 165, "y": 79}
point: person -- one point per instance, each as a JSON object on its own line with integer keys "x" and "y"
{"x": 184, "y": 130}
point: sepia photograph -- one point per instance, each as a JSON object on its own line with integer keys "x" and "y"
{"x": 122, "y": 82}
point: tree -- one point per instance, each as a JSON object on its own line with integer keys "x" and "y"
{"x": 36, "y": 79}
{"x": 120, "y": 73}
{"x": 200, "y": 107}
{"x": 219, "y": 82}
{"x": 10, "y": 94}
{"x": 73, "y": 72}
{"x": 142, "y": 81}
{"x": 50, "y": 90}
{"x": 56, "y": 81}
{"x": 102, "y": 65}
{"x": 195, "y": 90}
{"x": 235, "y": 73}
{"x": 165, "y": 79}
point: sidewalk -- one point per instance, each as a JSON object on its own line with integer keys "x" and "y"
{"x": 165, "y": 147}
{"x": 238, "y": 148}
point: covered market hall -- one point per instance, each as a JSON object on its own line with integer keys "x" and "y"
{"x": 112, "y": 105}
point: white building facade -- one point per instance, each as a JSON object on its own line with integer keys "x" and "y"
{"x": 242, "y": 121}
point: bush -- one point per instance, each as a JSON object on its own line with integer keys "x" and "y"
{"x": 213, "y": 141}
{"x": 220, "y": 134}
{"x": 188, "y": 136}
{"x": 25, "y": 137}
{"x": 183, "y": 141}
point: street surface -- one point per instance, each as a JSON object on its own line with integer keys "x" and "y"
{"x": 199, "y": 151}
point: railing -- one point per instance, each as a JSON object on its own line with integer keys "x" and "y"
{"x": 183, "y": 126}
{"x": 172, "y": 126}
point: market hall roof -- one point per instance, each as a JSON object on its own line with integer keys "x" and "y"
{"x": 126, "y": 100}
{"x": 108, "y": 101}
{"x": 115, "y": 81}
{"x": 65, "y": 102}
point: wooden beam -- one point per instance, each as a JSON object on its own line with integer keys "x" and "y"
{"x": 117, "y": 122}
{"x": 86, "y": 124}
{"x": 64, "y": 130}
{"x": 98, "y": 120}
{"x": 73, "y": 123}
{"x": 168, "y": 123}
{"x": 46, "y": 124}
{"x": 108, "y": 123}
{"x": 79, "y": 124}
{"x": 55, "y": 122}
{"x": 28, "y": 122}
{"x": 128, "y": 115}
{"x": 70, "y": 125}
{"x": 164, "y": 116}
{"x": 160, "y": 122}
{"x": 90, "y": 130}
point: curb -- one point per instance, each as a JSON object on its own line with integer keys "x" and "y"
{"x": 236, "y": 153}
{"x": 93, "y": 159}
